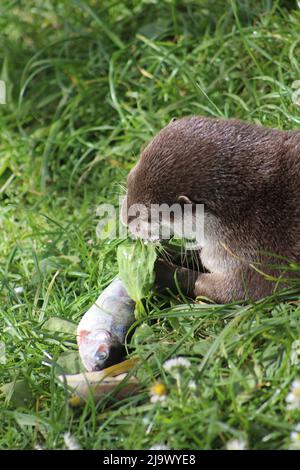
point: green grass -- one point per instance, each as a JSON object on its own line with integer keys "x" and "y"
{"x": 88, "y": 84}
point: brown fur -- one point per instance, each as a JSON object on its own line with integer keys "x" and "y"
{"x": 248, "y": 178}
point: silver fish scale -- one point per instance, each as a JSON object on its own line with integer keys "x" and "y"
{"x": 113, "y": 311}
{"x": 119, "y": 315}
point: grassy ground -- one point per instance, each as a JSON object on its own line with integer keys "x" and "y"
{"x": 88, "y": 84}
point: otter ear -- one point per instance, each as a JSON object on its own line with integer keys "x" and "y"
{"x": 182, "y": 199}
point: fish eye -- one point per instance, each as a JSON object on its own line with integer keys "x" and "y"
{"x": 101, "y": 355}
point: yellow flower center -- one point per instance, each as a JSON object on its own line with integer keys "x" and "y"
{"x": 74, "y": 401}
{"x": 158, "y": 389}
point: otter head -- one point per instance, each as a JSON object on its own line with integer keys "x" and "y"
{"x": 158, "y": 186}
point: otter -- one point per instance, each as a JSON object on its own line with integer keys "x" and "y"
{"x": 248, "y": 178}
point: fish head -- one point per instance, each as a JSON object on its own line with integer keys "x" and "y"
{"x": 99, "y": 349}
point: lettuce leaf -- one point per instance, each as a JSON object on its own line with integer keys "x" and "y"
{"x": 136, "y": 270}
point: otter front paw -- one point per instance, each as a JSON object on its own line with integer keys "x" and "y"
{"x": 170, "y": 276}
{"x": 216, "y": 286}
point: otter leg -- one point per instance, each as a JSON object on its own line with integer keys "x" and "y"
{"x": 232, "y": 286}
{"x": 169, "y": 275}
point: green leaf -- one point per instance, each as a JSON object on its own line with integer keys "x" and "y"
{"x": 17, "y": 393}
{"x": 51, "y": 264}
{"x": 60, "y": 325}
{"x": 24, "y": 420}
{"x": 69, "y": 363}
{"x": 136, "y": 270}
{"x": 143, "y": 334}
{"x": 155, "y": 29}
{"x": 4, "y": 164}
{"x": 202, "y": 347}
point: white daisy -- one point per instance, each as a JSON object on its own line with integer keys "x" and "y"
{"x": 293, "y": 397}
{"x": 157, "y": 398}
{"x": 176, "y": 363}
{"x": 19, "y": 289}
{"x": 192, "y": 385}
{"x": 236, "y": 444}
{"x": 71, "y": 442}
{"x": 158, "y": 392}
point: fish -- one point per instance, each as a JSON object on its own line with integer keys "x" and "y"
{"x": 102, "y": 330}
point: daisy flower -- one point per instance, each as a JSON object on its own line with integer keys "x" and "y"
{"x": 192, "y": 385}
{"x": 71, "y": 442}
{"x": 158, "y": 392}
{"x": 293, "y": 397}
{"x": 19, "y": 289}
{"x": 172, "y": 365}
{"x": 75, "y": 401}
{"x": 236, "y": 444}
